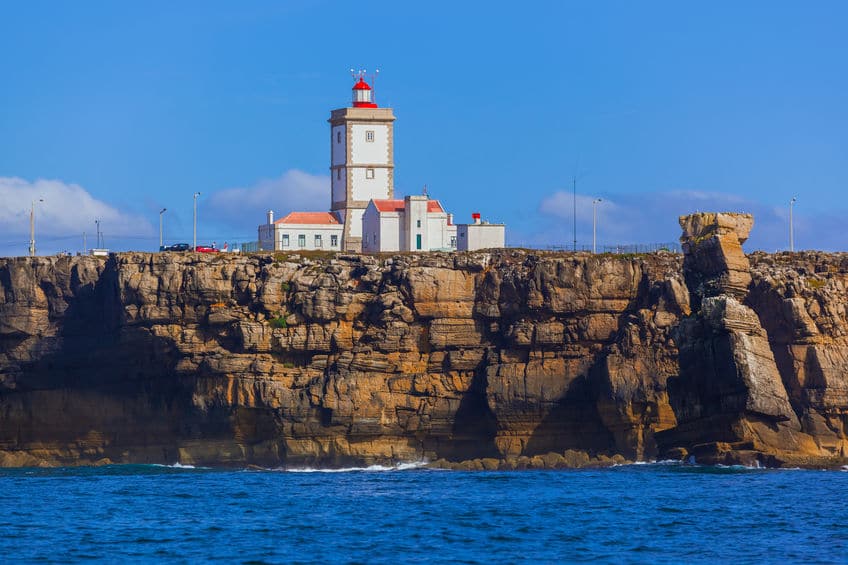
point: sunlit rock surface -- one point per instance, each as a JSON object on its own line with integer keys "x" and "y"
{"x": 521, "y": 358}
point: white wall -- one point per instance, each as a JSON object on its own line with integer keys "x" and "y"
{"x": 438, "y": 232}
{"x": 386, "y": 228}
{"x": 356, "y": 222}
{"x": 389, "y": 238}
{"x": 365, "y": 188}
{"x": 471, "y": 237}
{"x": 309, "y": 231}
{"x": 339, "y": 190}
{"x": 370, "y": 226}
{"x": 337, "y": 147}
{"x": 369, "y": 152}
{"x": 416, "y": 213}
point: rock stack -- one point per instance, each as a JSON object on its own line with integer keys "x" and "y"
{"x": 730, "y": 401}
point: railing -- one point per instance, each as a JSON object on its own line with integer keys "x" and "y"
{"x": 619, "y": 249}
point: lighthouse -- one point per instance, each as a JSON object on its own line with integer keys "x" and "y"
{"x": 361, "y": 159}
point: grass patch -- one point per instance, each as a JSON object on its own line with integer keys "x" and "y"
{"x": 279, "y": 323}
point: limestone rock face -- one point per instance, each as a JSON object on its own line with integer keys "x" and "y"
{"x": 502, "y": 359}
{"x": 714, "y": 261}
{"x": 736, "y": 396}
{"x": 280, "y": 360}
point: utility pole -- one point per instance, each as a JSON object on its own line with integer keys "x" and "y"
{"x": 194, "y": 240}
{"x": 574, "y": 193}
{"x": 791, "y": 228}
{"x": 97, "y": 223}
{"x": 84, "y": 245}
{"x": 162, "y": 211}
{"x": 32, "y": 228}
{"x": 595, "y": 223}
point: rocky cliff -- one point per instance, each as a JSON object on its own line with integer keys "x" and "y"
{"x": 505, "y": 358}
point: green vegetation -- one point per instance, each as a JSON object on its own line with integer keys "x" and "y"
{"x": 285, "y": 287}
{"x": 279, "y": 322}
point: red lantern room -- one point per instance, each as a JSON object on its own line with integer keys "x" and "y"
{"x": 362, "y": 95}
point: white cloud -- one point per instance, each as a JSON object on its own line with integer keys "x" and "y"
{"x": 67, "y": 211}
{"x": 245, "y": 207}
{"x": 652, "y": 217}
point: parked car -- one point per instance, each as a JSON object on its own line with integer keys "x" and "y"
{"x": 176, "y": 247}
{"x": 206, "y": 249}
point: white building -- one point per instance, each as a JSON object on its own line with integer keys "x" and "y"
{"x": 302, "y": 231}
{"x": 415, "y": 223}
{"x": 362, "y": 184}
{"x": 479, "y": 235}
{"x": 361, "y": 160}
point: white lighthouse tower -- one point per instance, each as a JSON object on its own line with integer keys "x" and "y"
{"x": 361, "y": 160}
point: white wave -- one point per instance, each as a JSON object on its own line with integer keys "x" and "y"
{"x": 651, "y": 462}
{"x": 177, "y": 465}
{"x": 369, "y": 469}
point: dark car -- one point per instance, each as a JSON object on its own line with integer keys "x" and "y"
{"x": 206, "y": 249}
{"x": 176, "y": 247}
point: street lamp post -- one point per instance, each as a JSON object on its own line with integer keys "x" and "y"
{"x": 161, "y": 240}
{"x": 595, "y": 223}
{"x": 791, "y": 227}
{"x": 194, "y": 240}
{"x": 97, "y": 224}
{"x": 574, "y": 209}
{"x": 32, "y": 228}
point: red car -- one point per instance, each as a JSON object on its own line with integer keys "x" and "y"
{"x": 206, "y": 249}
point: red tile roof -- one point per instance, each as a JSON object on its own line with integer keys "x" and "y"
{"x": 433, "y": 206}
{"x": 389, "y": 205}
{"x": 309, "y": 218}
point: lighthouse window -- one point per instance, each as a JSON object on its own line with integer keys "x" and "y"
{"x": 338, "y": 137}
{"x": 339, "y": 174}
{"x": 369, "y": 173}
{"x": 369, "y": 135}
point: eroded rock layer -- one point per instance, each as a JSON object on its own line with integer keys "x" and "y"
{"x": 353, "y": 359}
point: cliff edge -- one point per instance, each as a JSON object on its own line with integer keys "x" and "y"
{"x": 508, "y": 356}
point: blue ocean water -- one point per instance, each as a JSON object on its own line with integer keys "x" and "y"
{"x": 629, "y": 514}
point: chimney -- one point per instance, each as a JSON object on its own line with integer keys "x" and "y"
{"x": 270, "y": 216}
{"x": 476, "y": 217}
{"x": 450, "y": 219}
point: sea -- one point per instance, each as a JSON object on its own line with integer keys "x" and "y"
{"x": 643, "y": 513}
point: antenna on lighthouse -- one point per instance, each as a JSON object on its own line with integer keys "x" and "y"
{"x": 374, "y": 86}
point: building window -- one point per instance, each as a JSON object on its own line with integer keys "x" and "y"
{"x": 301, "y": 240}
{"x": 338, "y": 137}
{"x": 417, "y": 223}
{"x": 369, "y": 136}
{"x": 334, "y": 241}
{"x": 318, "y": 242}
{"x": 374, "y": 238}
{"x": 369, "y": 173}
{"x": 453, "y": 241}
{"x": 418, "y": 241}
{"x": 339, "y": 174}
{"x": 285, "y": 240}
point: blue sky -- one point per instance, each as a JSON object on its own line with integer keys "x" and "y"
{"x": 114, "y": 111}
